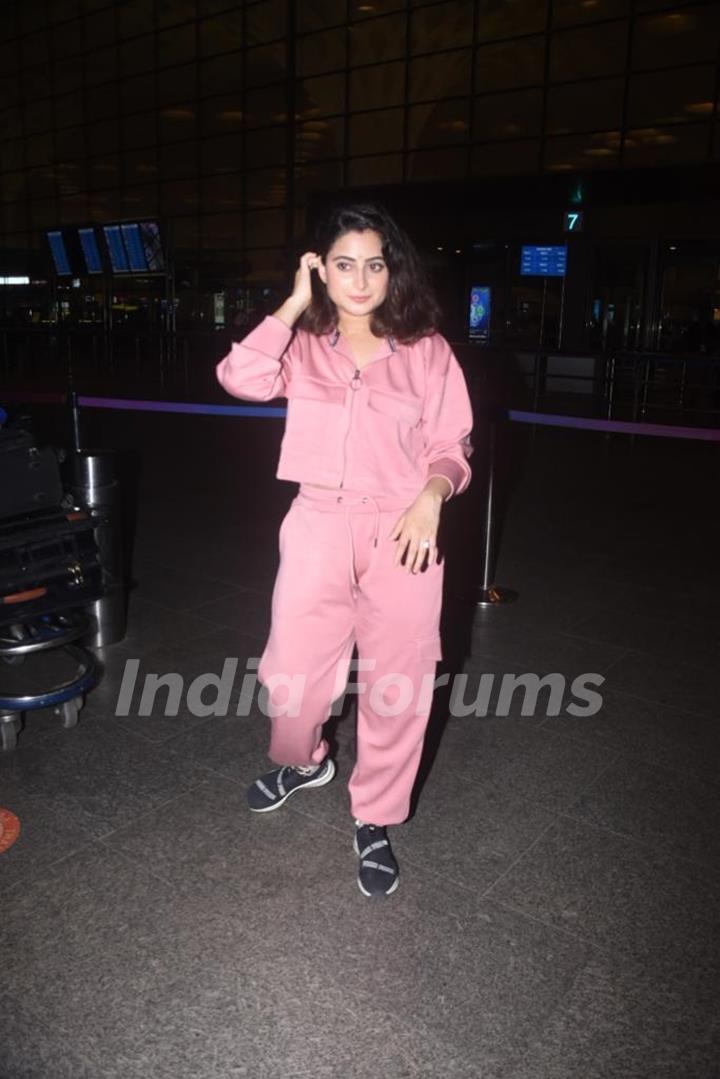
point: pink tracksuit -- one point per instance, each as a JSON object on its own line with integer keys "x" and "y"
{"x": 370, "y": 439}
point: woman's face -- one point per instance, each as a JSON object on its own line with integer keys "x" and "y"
{"x": 356, "y": 273}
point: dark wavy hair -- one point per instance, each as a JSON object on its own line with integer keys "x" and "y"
{"x": 409, "y": 310}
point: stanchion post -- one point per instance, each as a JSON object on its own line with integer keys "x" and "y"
{"x": 491, "y": 594}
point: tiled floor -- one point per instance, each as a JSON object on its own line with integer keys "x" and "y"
{"x": 560, "y": 878}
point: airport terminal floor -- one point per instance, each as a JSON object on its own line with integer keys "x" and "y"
{"x": 560, "y": 875}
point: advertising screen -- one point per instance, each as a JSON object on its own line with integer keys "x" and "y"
{"x": 479, "y": 313}
{"x": 543, "y": 261}
{"x": 134, "y": 247}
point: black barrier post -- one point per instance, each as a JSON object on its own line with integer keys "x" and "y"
{"x": 491, "y": 594}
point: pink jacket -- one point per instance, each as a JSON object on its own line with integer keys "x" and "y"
{"x": 384, "y": 430}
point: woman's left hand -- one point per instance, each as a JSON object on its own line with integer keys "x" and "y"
{"x": 417, "y": 528}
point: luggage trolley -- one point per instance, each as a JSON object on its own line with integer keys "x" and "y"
{"x": 50, "y": 569}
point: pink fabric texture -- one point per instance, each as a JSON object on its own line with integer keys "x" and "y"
{"x": 384, "y": 430}
{"x": 336, "y": 587}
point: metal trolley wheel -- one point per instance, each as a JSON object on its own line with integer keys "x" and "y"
{"x": 66, "y": 699}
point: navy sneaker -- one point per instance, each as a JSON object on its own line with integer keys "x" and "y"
{"x": 378, "y": 873}
{"x": 274, "y": 788}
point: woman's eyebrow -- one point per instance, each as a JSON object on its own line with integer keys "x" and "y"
{"x": 349, "y": 258}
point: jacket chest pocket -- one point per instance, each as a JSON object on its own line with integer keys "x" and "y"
{"x": 399, "y": 416}
{"x": 314, "y": 416}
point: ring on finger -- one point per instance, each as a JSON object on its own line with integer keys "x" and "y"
{"x": 425, "y": 545}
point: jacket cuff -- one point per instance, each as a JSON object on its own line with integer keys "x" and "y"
{"x": 451, "y": 470}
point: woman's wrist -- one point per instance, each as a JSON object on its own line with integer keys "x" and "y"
{"x": 289, "y": 312}
{"x": 438, "y": 487}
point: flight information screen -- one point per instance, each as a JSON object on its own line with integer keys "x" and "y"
{"x": 539, "y": 261}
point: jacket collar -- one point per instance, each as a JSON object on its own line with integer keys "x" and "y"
{"x": 334, "y": 337}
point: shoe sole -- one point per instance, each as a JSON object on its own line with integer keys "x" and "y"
{"x": 318, "y": 781}
{"x": 374, "y": 895}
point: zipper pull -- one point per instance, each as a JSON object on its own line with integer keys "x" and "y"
{"x": 355, "y": 384}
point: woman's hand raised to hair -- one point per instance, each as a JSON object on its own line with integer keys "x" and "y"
{"x": 301, "y": 294}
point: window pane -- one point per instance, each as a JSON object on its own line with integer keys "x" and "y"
{"x": 41, "y": 183}
{"x": 175, "y": 160}
{"x": 320, "y": 97}
{"x": 317, "y": 139}
{"x": 666, "y": 146}
{"x": 506, "y": 158}
{"x": 265, "y": 228}
{"x": 361, "y": 9}
{"x": 446, "y": 75}
{"x": 372, "y": 88}
{"x": 582, "y": 151}
{"x": 179, "y": 196}
{"x": 265, "y": 64}
{"x": 567, "y": 12}
{"x": 222, "y": 114}
{"x": 442, "y": 26}
{"x": 508, "y": 116}
{"x": 510, "y": 64}
{"x": 374, "y": 132}
{"x": 505, "y": 18}
{"x": 176, "y": 84}
{"x": 320, "y": 177}
{"x": 321, "y": 52}
{"x": 677, "y": 37}
{"x": 140, "y": 166}
{"x": 100, "y": 65}
{"x": 267, "y": 146}
{"x": 66, "y": 39}
{"x": 221, "y": 230}
{"x": 266, "y": 21}
{"x": 178, "y": 122}
{"x": 266, "y": 106}
{"x": 139, "y": 200}
{"x": 137, "y": 93}
{"x": 656, "y": 98}
{"x": 137, "y": 55}
{"x": 39, "y": 149}
{"x": 318, "y": 14}
{"x": 589, "y": 106}
{"x": 103, "y": 138}
{"x": 437, "y": 164}
{"x": 176, "y": 46}
{"x": 377, "y": 40}
{"x": 38, "y": 116}
{"x": 224, "y": 192}
{"x": 140, "y": 129}
{"x": 596, "y": 50}
{"x": 174, "y": 11}
{"x": 135, "y": 17}
{"x": 222, "y": 33}
{"x": 386, "y": 169}
{"x": 67, "y": 75}
{"x": 104, "y": 171}
{"x": 266, "y": 187}
{"x": 99, "y": 28}
{"x": 439, "y": 124}
{"x": 221, "y": 74}
{"x": 103, "y": 102}
{"x": 221, "y": 153}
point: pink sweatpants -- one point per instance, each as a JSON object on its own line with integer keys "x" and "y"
{"x": 336, "y": 587}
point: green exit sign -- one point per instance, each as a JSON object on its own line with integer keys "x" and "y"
{"x": 573, "y": 221}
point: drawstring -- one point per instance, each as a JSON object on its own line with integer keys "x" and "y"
{"x": 348, "y": 526}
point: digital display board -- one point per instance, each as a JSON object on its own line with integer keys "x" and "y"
{"x": 90, "y": 250}
{"x": 116, "y": 249}
{"x": 134, "y": 247}
{"x": 59, "y": 251}
{"x": 543, "y": 261}
{"x": 479, "y": 313}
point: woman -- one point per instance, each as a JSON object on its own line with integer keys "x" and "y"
{"x": 377, "y": 435}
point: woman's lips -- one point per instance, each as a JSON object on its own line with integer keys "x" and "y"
{"x": 359, "y": 299}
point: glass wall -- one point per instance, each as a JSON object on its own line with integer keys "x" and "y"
{"x": 223, "y": 119}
